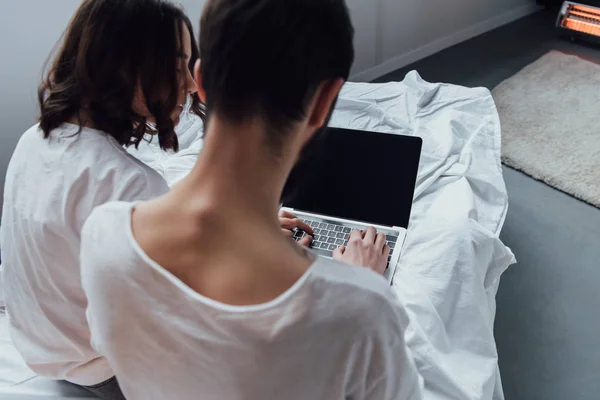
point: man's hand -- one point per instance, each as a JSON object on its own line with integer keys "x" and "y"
{"x": 367, "y": 249}
{"x": 289, "y": 221}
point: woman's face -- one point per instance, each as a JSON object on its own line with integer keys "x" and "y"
{"x": 186, "y": 84}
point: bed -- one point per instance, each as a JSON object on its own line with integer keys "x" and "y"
{"x": 453, "y": 258}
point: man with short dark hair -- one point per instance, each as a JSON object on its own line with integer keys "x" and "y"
{"x": 200, "y": 294}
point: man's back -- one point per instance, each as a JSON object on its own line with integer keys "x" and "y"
{"x": 52, "y": 186}
{"x": 336, "y": 333}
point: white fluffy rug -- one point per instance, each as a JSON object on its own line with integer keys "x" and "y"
{"x": 550, "y": 113}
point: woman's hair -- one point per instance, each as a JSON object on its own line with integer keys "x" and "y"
{"x": 113, "y": 51}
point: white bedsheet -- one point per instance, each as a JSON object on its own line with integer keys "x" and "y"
{"x": 452, "y": 260}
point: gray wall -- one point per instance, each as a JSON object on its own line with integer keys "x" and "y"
{"x": 391, "y": 34}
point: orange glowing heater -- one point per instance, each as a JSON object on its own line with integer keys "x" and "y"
{"x": 580, "y": 21}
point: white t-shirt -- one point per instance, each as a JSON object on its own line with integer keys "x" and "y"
{"x": 52, "y": 186}
{"x": 338, "y": 333}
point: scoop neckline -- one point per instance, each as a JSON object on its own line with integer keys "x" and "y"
{"x": 188, "y": 291}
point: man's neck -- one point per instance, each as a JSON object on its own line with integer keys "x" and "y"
{"x": 237, "y": 171}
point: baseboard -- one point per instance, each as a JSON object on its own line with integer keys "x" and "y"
{"x": 443, "y": 43}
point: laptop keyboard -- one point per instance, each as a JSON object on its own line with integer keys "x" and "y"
{"x": 328, "y": 236}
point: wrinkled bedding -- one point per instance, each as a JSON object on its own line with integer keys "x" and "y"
{"x": 453, "y": 258}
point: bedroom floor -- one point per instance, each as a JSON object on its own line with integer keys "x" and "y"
{"x": 548, "y": 324}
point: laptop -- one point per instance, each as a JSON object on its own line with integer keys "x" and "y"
{"x": 353, "y": 180}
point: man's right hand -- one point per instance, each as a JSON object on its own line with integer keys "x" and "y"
{"x": 367, "y": 249}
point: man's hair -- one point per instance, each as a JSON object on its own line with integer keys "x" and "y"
{"x": 267, "y": 57}
{"x": 111, "y": 49}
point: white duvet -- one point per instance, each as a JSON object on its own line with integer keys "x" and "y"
{"x": 452, "y": 260}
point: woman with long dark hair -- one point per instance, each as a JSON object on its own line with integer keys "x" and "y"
{"x": 123, "y": 72}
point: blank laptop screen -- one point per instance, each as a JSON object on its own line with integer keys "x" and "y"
{"x": 361, "y": 176}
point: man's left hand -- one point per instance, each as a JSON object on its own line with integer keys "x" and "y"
{"x": 289, "y": 221}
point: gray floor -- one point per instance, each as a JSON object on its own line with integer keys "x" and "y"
{"x": 548, "y": 323}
